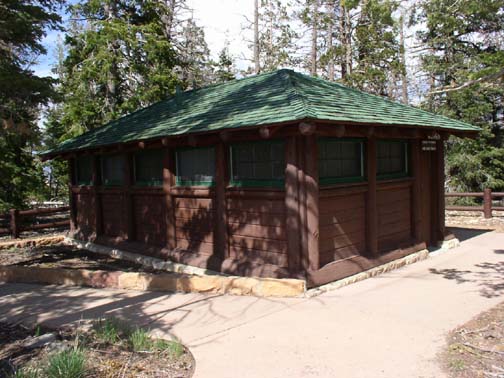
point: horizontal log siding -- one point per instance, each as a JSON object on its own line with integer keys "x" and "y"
{"x": 85, "y": 216}
{"x": 256, "y": 229}
{"x": 114, "y": 214}
{"x": 342, "y": 224}
{"x": 394, "y": 217}
{"x": 149, "y": 218}
{"x": 194, "y": 224}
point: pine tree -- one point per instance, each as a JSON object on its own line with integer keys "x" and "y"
{"x": 464, "y": 62}
{"x": 274, "y": 37}
{"x": 118, "y": 60}
{"x": 22, "y": 93}
{"x": 224, "y": 70}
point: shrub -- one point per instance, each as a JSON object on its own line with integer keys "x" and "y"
{"x": 66, "y": 364}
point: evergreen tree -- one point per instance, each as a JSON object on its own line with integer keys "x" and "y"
{"x": 224, "y": 70}
{"x": 377, "y": 63}
{"x": 274, "y": 37}
{"x": 22, "y": 93}
{"x": 464, "y": 62}
{"x": 118, "y": 60}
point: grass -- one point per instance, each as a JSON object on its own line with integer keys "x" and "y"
{"x": 67, "y": 364}
{"x": 175, "y": 348}
{"x": 140, "y": 340}
{"x": 111, "y": 330}
{"x": 26, "y": 373}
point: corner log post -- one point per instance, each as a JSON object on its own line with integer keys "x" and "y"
{"x": 221, "y": 245}
{"x": 416, "y": 216}
{"x": 440, "y": 190}
{"x": 312, "y": 202}
{"x": 372, "y": 210}
{"x": 128, "y": 196}
{"x": 168, "y": 182}
{"x": 71, "y": 201}
{"x": 292, "y": 206}
{"x": 98, "y": 222}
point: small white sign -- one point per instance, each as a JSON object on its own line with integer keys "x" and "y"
{"x": 428, "y": 145}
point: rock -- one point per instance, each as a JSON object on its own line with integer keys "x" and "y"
{"x": 39, "y": 341}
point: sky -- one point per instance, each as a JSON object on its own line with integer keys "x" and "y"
{"x": 222, "y": 20}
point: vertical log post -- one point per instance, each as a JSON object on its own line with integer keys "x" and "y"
{"x": 168, "y": 181}
{"x": 292, "y": 206}
{"x": 487, "y": 203}
{"x": 372, "y": 211}
{"x": 440, "y": 190}
{"x": 128, "y": 196}
{"x": 221, "y": 230}
{"x": 14, "y": 223}
{"x": 416, "y": 216}
{"x": 96, "y": 196}
{"x": 71, "y": 202}
{"x": 312, "y": 202}
{"x": 301, "y": 181}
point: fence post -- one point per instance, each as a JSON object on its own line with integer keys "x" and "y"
{"x": 487, "y": 203}
{"x": 14, "y": 223}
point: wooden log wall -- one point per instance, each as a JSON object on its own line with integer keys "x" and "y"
{"x": 342, "y": 223}
{"x": 251, "y": 231}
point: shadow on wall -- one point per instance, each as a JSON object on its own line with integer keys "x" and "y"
{"x": 488, "y": 276}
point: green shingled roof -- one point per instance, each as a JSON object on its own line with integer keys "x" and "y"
{"x": 270, "y": 98}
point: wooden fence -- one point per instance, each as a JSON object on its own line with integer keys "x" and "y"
{"x": 16, "y": 221}
{"x": 487, "y": 207}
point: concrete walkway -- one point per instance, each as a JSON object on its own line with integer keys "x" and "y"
{"x": 393, "y": 325}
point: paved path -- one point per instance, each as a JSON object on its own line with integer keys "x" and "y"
{"x": 389, "y": 326}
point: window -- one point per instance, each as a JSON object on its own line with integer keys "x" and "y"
{"x": 392, "y": 159}
{"x": 149, "y": 168}
{"x": 258, "y": 164}
{"x": 195, "y": 166}
{"x": 340, "y": 160}
{"x": 84, "y": 170}
{"x": 113, "y": 170}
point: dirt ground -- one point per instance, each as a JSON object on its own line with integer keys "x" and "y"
{"x": 476, "y": 349}
{"x": 103, "y": 360}
{"x": 62, "y": 256}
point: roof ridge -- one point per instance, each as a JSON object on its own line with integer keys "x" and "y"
{"x": 297, "y": 94}
{"x": 387, "y": 99}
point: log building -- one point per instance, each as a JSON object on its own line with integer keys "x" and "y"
{"x": 276, "y": 175}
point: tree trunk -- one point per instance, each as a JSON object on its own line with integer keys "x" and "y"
{"x": 257, "y": 67}
{"x": 313, "y": 54}
{"x": 346, "y": 41}
{"x": 404, "y": 79}
{"x": 330, "y": 68}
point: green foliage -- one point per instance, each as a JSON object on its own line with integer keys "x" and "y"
{"x": 22, "y": 93}
{"x": 140, "y": 340}
{"x": 117, "y": 61}
{"x": 26, "y": 373}
{"x": 175, "y": 348}
{"x": 464, "y": 48}
{"x": 111, "y": 330}
{"x": 66, "y": 364}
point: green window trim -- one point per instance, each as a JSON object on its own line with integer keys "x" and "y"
{"x": 190, "y": 182}
{"x": 331, "y": 180}
{"x": 396, "y": 175}
{"x": 257, "y": 182}
{"x": 87, "y": 159}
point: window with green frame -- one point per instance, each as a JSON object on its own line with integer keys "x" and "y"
{"x": 112, "y": 168}
{"x": 195, "y": 166}
{"x": 392, "y": 159}
{"x": 258, "y": 164}
{"x": 149, "y": 167}
{"x": 84, "y": 170}
{"x": 340, "y": 160}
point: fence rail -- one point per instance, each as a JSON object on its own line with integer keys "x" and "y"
{"x": 487, "y": 208}
{"x": 23, "y": 220}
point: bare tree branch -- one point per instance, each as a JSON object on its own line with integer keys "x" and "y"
{"x": 486, "y": 78}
